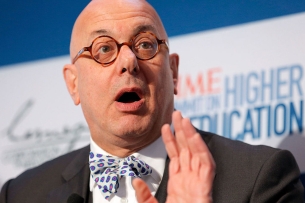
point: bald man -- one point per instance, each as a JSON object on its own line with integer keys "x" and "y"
{"x": 124, "y": 77}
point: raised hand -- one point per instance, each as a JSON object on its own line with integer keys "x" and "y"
{"x": 191, "y": 169}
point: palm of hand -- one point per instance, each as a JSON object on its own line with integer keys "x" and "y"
{"x": 186, "y": 187}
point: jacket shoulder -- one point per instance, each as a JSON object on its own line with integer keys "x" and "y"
{"x": 54, "y": 166}
{"x": 252, "y": 173}
{"x": 38, "y": 181}
{"x": 222, "y": 147}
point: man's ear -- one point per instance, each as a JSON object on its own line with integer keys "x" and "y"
{"x": 71, "y": 79}
{"x": 174, "y": 64}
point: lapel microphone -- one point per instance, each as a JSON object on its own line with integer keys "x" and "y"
{"x": 75, "y": 198}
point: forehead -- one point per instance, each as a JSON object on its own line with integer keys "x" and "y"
{"x": 120, "y": 19}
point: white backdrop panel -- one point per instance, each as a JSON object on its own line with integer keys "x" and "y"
{"x": 38, "y": 118}
{"x": 247, "y": 82}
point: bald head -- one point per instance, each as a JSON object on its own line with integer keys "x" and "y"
{"x": 113, "y": 18}
{"x": 122, "y": 126}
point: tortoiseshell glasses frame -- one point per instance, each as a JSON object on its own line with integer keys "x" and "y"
{"x": 105, "y": 49}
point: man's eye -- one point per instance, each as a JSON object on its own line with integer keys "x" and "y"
{"x": 146, "y": 45}
{"x": 105, "y": 49}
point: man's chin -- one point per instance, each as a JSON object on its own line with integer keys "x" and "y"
{"x": 134, "y": 125}
{"x": 132, "y": 131}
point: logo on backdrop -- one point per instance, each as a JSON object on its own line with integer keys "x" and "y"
{"x": 29, "y": 147}
{"x": 254, "y": 104}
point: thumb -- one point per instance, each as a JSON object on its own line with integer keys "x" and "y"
{"x": 142, "y": 192}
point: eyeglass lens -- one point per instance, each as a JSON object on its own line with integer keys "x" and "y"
{"x": 105, "y": 49}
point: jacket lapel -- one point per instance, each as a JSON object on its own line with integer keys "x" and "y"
{"x": 75, "y": 179}
{"x": 161, "y": 193}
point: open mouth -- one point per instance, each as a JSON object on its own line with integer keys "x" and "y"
{"x": 129, "y": 97}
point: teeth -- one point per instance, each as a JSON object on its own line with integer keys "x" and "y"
{"x": 129, "y": 97}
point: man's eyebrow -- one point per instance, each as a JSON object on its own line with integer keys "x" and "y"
{"x": 143, "y": 28}
{"x": 99, "y": 32}
{"x": 140, "y": 28}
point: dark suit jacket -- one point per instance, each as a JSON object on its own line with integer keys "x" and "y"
{"x": 244, "y": 173}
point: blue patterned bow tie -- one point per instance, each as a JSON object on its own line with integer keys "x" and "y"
{"x": 107, "y": 170}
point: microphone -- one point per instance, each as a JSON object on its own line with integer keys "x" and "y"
{"x": 75, "y": 198}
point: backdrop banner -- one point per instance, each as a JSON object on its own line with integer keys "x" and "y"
{"x": 38, "y": 118}
{"x": 243, "y": 82}
{"x": 247, "y": 82}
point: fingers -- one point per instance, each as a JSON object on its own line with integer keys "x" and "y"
{"x": 188, "y": 128}
{"x": 184, "y": 131}
{"x": 191, "y": 168}
{"x": 185, "y": 160}
{"x": 142, "y": 192}
{"x": 195, "y": 165}
{"x": 169, "y": 141}
{"x": 184, "y": 136}
{"x": 207, "y": 173}
{"x": 189, "y": 136}
{"x": 196, "y": 154}
{"x": 179, "y": 130}
{"x": 202, "y": 161}
{"x": 174, "y": 166}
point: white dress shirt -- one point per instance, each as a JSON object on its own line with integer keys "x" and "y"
{"x": 154, "y": 155}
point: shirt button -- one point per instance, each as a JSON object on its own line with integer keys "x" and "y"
{"x": 124, "y": 200}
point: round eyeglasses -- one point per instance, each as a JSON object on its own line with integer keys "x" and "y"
{"x": 104, "y": 49}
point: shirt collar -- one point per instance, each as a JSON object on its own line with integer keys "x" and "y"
{"x": 154, "y": 155}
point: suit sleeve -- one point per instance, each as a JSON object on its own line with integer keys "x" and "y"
{"x": 278, "y": 180}
{"x": 3, "y": 194}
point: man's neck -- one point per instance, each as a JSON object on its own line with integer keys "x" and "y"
{"x": 123, "y": 148}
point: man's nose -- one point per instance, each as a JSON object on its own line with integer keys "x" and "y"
{"x": 127, "y": 61}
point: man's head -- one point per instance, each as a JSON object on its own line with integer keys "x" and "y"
{"x": 126, "y": 102}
